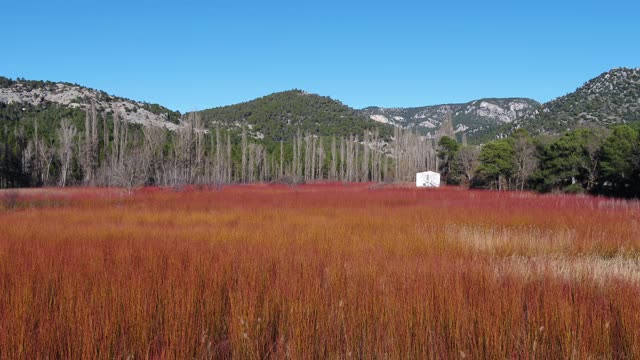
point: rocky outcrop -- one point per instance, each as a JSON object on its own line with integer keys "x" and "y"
{"x": 504, "y": 114}
{"x": 471, "y": 117}
{"x": 75, "y": 96}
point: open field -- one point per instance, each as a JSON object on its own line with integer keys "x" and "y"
{"x": 317, "y": 271}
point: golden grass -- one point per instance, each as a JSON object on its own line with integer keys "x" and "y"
{"x": 318, "y": 271}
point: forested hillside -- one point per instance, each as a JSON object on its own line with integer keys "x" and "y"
{"x": 60, "y": 134}
{"x": 611, "y": 98}
{"x": 279, "y": 116}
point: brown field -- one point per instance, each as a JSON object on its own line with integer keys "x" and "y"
{"x": 317, "y": 271}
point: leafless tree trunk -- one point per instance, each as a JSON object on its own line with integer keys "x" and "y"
{"x": 37, "y": 171}
{"x": 334, "y": 162}
{"x": 105, "y": 134}
{"x": 468, "y": 160}
{"x": 229, "y": 162}
{"x": 396, "y": 151}
{"x": 66, "y": 134}
{"x": 115, "y": 150}
{"x": 300, "y": 173}
{"x": 281, "y": 160}
{"x": 218, "y": 169}
{"x": 320, "y": 163}
{"x": 243, "y": 175}
{"x": 312, "y": 173}
{"x": 365, "y": 156}
{"x": 349, "y": 158}
{"x": 197, "y": 168}
{"x": 355, "y": 164}
{"x": 90, "y": 145}
{"x": 342, "y": 160}
{"x": 525, "y": 159}
{"x": 592, "y": 149}
{"x": 47, "y": 153}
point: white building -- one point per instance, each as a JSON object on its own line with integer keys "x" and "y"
{"x": 428, "y": 179}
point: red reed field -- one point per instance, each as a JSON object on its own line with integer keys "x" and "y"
{"x": 317, "y": 271}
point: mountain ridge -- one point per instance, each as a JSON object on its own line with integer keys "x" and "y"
{"x": 473, "y": 118}
{"x": 610, "y": 98}
{"x": 39, "y": 93}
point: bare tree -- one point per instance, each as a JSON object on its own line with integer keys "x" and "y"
{"x": 468, "y": 162}
{"x": 37, "y": 168}
{"x": 47, "y": 154}
{"x": 154, "y": 139}
{"x": 396, "y": 150}
{"x": 219, "y": 167}
{"x": 133, "y": 171}
{"x": 342, "y": 159}
{"x": 334, "y": 161}
{"x": 320, "y": 164}
{"x": 105, "y": 140}
{"x": 243, "y": 174}
{"x": 365, "y": 157}
{"x": 593, "y": 149}
{"x": 229, "y": 163}
{"x": 281, "y": 172}
{"x": 89, "y": 149}
{"x": 525, "y": 159}
{"x": 115, "y": 152}
{"x": 197, "y": 167}
{"x": 66, "y": 135}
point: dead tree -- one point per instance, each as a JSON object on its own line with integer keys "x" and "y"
{"x": 66, "y": 135}
{"x": 467, "y": 158}
{"x": 243, "y": 174}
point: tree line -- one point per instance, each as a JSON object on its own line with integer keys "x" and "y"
{"x": 103, "y": 149}
{"x": 593, "y": 160}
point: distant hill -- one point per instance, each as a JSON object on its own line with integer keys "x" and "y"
{"x": 611, "y": 98}
{"x": 31, "y": 98}
{"x": 50, "y": 135}
{"x": 279, "y": 116}
{"x": 475, "y": 118}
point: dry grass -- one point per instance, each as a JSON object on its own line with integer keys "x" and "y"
{"x": 592, "y": 268}
{"x": 318, "y": 271}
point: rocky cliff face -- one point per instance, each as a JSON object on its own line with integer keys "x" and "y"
{"x": 74, "y": 96}
{"x": 473, "y": 118}
{"x": 504, "y": 112}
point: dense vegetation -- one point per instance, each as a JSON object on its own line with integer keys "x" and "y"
{"x": 278, "y": 117}
{"x": 35, "y": 153}
{"x": 610, "y": 98}
{"x": 330, "y": 271}
{"x": 296, "y": 136}
{"x": 55, "y": 145}
{"x": 593, "y": 160}
{"x": 18, "y": 138}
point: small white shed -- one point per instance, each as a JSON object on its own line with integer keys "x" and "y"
{"x": 428, "y": 179}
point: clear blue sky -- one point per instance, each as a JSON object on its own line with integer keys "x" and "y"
{"x": 198, "y": 54}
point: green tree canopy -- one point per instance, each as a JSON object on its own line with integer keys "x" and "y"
{"x": 447, "y": 150}
{"x": 618, "y": 167}
{"x": 570, "y": 163}
{"x": 496, "y": 163}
